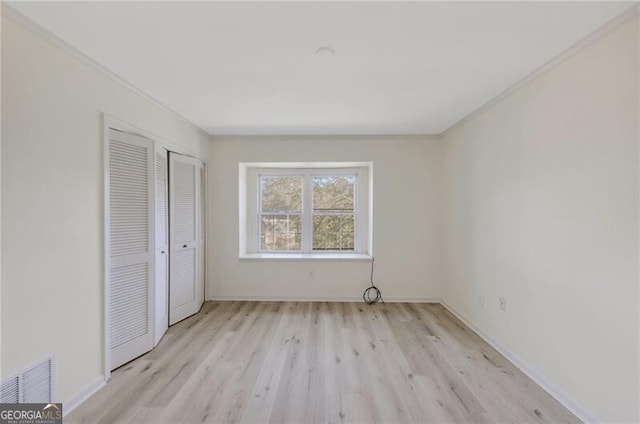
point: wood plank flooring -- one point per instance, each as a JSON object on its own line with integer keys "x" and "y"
{"x": 318, "y": 362}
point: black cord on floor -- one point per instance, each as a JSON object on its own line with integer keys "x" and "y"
{"x": 372, "y": 294}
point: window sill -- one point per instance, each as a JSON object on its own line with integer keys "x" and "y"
{"x": 307, "y": 256}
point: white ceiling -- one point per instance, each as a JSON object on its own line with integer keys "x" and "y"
{"x": 252, "y": 68}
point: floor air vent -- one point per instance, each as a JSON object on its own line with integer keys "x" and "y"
{"x": 10, "y": 391}
{"x": 33, "y": 385}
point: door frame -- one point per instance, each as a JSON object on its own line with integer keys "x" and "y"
{"x": 111, "y": 122}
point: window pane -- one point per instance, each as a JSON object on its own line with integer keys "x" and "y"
{"x": 333, "y": 232}
{"x": 281, "y": 194}
{"x": 333, "y": 192}
{"x": 280, "y": 232}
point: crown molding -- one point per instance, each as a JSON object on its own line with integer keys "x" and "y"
{"x": 326, "y": 137}
{"x": 576, "y": 48}
{"x": 35, "y": 28}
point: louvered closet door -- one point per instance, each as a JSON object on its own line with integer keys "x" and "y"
{"x": 131, "y": 246}
{"x": 162, "y": 244}
{"x": 186, "y": 289}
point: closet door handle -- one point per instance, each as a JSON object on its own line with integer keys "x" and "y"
{"x": 162, "y": 252}
{"x": 184, "y": 245}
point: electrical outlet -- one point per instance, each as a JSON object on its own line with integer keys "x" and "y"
{"x": 481, "y": 300}
{"x": 503, "y": 304}
{"x": 312, "y": 275}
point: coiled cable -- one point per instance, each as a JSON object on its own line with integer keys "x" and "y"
{"x": 372, "y": 294}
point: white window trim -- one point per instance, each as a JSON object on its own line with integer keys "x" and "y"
{"x": 249, "y": 204}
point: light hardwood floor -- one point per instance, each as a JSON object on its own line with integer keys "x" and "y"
{"x": 296, "y": 362}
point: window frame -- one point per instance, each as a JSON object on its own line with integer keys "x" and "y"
{"x": 356, "y": 210}
{"x": 248, "y": 210}
{"x": 260, "y": 213}
{"x": 307, "y": 213}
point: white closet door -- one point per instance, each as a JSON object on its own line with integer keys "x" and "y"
{"x": 162, "y": 244}
{"x": 186, "y": 289}
{"x": 131, "y": 246}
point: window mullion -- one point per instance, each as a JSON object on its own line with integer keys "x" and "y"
{"x": 307, "y": 213}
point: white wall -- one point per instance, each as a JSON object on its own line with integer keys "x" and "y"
{"x": 407, "y": 234}
{"x": 1, "y": 20}
{"x": 638, "y": 136}
{"x": 52, "y": 212}
{"x": 542, "y": 209}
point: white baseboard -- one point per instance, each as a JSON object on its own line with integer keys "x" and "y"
{"x": 83, "y": 394}
{"x": 558, "y": 394}
{"x": 316, "y": 299}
